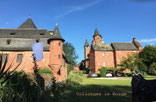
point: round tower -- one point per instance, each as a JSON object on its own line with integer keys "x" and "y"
{"x": 86, "y": 54}
{"x": 56, "y": 53}
{"x": 86, "y": 50}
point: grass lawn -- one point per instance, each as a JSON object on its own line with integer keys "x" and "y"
{"x": 101, "y": 90}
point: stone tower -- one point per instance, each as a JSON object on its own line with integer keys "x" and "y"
{"x": 86, "y": 54}
{"x": 97, "y": 37}
{"x": 56, "y": 53}
{"x": 86, "y": 50}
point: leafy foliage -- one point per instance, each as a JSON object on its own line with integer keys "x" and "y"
{"x": 45, "y": 70}
{"x": 70, "y": 53}
{"x": 74, "y": 78}
{"x": 152, "y": 68}
{"x": 148, "y": 56}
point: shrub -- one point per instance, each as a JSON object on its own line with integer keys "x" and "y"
{"x": 74, "y": 78}
{"x": 45, "y": 71}
{"x": 103, "y": 71}
{"x": 127, "y": 74}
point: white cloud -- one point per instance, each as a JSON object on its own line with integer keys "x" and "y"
{"x": 78, "y": 8}
{"x": 147, "y": 40}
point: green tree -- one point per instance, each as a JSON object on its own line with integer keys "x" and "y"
{"x": 129, "y": 63}
{"x": 148, "y": 56}
{"x": 70, "y": 55}
{"x": 153, "y": 68}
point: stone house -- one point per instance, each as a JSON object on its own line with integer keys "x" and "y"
{"x": 107, "y": 55}
{"x": 16, "y": 45}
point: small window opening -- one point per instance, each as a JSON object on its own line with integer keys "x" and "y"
{"x": 59, "y": 44}
{"x": 41, "y": 33}
{"x": 37, "y": 40}
{"x": 8, "y": 41}
{"x": 59, "y": 56}
{"x": 12, "y": 33}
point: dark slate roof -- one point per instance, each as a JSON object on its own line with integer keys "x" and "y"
{"x": 21, "y": 44}
{"x": 56, "y": 35}
{"x": 102, "y": 47}
{"x": 21, "y": 39}
{"x": 86, "y": 43}
{"x": 28, "y": 24}
{"x": 24, "y": 33}
{"x": 124, "y": 46}
{"x": 96, "y": 32}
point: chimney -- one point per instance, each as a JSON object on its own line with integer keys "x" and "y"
{"x": 51, "y": 32}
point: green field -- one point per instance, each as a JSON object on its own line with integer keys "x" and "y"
{"x": 101, "y": 90}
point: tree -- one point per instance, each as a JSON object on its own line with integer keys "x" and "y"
{"x": 70, "y": 53}
{"x": 128, "y": 63}
{"x": 153, "y": 68}
{"x": 148, "y": 56}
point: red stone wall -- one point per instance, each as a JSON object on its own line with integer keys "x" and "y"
{"x": 108, "y": 58}
{"x": 120, "y": 54}
{"x": 27, "y": 60}
{"x": 97, "y": 40}
{"x": 92, "y": 61}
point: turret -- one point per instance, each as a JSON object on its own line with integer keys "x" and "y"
{"x": 97, "y": 37}
{"x": 56, "y": 52}
{"x": 86, "y": 50}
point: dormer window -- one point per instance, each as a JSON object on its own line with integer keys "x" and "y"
{"x": 41, "y": 33}
{"x": 8, "y": 41}
{"x": 37, "y": 40}
{"x": 12, "y": 33}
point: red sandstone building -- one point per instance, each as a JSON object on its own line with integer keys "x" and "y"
{"x": 17, "y": 44}
{"x": 107, "y": 55}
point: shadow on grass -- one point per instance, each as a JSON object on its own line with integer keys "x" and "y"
{"x": 100, "y": 93}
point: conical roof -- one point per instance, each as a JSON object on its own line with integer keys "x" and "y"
{"x": 28, "y": 24}
{"x": 56, "y": 35}
{"x": 86, "y": 43}
{"x": 96, "y": 32}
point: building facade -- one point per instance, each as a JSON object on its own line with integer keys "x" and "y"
{"x": 107, "y": 55}
{"x": 16, "y": 46}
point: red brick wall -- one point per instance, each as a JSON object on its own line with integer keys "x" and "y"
{"x": 27, "y": 61}
{"x": 120, "y": 54}
{"x": 92, "y": 61}
{"x": 97, "y": 40}
{"x": 108, "y": 58}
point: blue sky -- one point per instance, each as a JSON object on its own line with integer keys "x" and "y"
{"x": 116, "y": 20}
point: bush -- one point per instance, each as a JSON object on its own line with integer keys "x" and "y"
{"x": 45, "y": 71}
{"x": 74, "y": 78}
{"x": 103, "y": 71}
{"x": 127, "y": 74}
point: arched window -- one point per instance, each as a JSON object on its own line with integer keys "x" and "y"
{"x": 59, "y": 44}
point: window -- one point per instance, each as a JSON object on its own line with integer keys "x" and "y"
{"x": 59, "y": 44}
{"x": 37, "y": 40}
{"x": 103, "y": 54}
{"x": 59, "y": 56}
{"x": 19, "y": 58}
{"x": 12, "y": 33}
{"x": 5, "y": 58}
{"x": 41, "y": 33}
{"x": 8, "y": 41}
{"x": 104, "y": 64}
